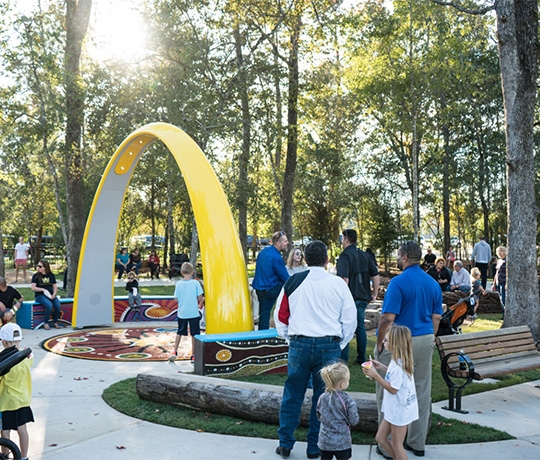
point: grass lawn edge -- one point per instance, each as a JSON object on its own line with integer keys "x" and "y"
{"x": 122, "y": 397}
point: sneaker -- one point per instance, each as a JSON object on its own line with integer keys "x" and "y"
{"x": 192, "y": 359}
{"x": 173, "y": 356}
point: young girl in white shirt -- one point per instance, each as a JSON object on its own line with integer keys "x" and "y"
{"x": 399, "y": 405}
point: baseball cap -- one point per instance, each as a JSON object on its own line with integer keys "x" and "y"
{"x": 11, "y": 332}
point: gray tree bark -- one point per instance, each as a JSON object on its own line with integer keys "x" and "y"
{"x": 292, "y": 134}
{"x": 2, "y": 265}
{"x": 242, "y": 192}
{"x": 170, "y": 221}
{"x": 77, "y": 17}
{"x": 194, "y": 245}
{"x": 250, "y": 401}
{"x": 517, "y": 26}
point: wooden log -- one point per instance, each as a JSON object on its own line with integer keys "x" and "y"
{"x": 250, "y": 401}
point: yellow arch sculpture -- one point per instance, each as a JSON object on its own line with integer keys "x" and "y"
{"x": 228, "y": 306}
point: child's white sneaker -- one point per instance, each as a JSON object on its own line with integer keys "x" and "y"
{"x": 173, "y": 356}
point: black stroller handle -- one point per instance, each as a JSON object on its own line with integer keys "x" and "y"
{"x": 12, "y": 358}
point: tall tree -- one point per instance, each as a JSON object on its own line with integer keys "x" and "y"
{"x": 77, "y": 18}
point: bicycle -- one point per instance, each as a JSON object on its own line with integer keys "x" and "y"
{"x": 9, "y": 358}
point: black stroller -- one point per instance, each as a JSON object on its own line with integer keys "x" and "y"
{"x": 9, "y": 358}
{"x": 175, "y": 264}
{"x": 453, "y": 318}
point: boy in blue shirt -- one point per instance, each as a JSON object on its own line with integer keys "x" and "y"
{"x": 188, "y": 293}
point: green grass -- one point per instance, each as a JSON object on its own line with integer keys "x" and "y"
{"x": 123, "y": 397}
{"x": 439, "y": 390}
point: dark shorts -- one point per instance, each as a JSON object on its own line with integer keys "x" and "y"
{"x": 339, "y": 454}
{"x": 194, "y": 326}
{"x": 13, "y": 419}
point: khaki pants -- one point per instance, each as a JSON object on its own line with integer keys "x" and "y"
{"x": 422, "y": 355}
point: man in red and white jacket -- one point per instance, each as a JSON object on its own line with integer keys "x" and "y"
{"x": 315, "y": 312}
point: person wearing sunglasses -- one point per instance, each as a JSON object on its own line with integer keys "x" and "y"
{"x": 44, "y": 287}
{"x": 295, "y": 262}
{"x": 270, "y": 275}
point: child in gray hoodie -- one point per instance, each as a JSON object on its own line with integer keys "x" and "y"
{"x": 337, "y": 412}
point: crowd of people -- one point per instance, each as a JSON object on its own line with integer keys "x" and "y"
{"x": 318, "y": 314}
{"x": 453, "y": 276}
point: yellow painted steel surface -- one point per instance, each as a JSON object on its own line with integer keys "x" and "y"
{"x": 228, "y": 306}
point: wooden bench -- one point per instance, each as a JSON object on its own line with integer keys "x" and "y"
{"x": 486, "y": 354}
{"x": 145, "y": 268}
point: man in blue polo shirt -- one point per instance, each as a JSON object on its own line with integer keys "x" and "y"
{"x": 270, "y": 275}
{"x": 413, "y": 299}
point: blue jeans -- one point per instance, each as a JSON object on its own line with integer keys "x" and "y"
{"x": 501, "y": 288}
{"x": 50, "y": 306}
{"x": 267, "y": 299}
{"x": 134, "y": 266}
{"x": 307, "y": 356}
{"x": 361, "y": 336}
{"x": 134, "y": 299}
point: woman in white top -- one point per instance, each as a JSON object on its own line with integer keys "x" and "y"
{"x": 295, "y": 262}
{"x": 399, "y": 406}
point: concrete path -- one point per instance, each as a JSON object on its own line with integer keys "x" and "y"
{"x": 73, "y": 422}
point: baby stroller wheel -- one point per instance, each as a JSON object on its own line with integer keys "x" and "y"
{"x": 9, "y": 450}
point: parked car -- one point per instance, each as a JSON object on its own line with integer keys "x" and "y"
{"x": 454, "y": 241}
{"x": 305, "y": 241}
{"x": 145, "y": 241}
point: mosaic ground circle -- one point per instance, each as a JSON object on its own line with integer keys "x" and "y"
{"x": 119, "y": 344}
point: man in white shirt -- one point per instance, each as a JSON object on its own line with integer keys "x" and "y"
{"x": 315, "y": 312}
{"x": 482, "y": 257}
{"x": 461, "y": 278}
{"x": 21, "y": 256}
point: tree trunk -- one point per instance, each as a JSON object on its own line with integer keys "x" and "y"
{"x": 242, "y": 192}
{"x": 250, "y": 401}
{"x": 279, "y": 123}
{"x": 446, "y": 178}
{"x": 415, "y": 201}
{"x": 194, "y": 245}
{"x": 292, "y": 135}
{"x": 170, "y": 200}
{"x": 517, "y": 26}
{"x": 153, "y": 212}
{"x": 482, "y": 182}
{"x": 77, "y": 17}
{"x": 39, "y": 238}
{"x": 2, "y": 266}
{"x": 165, "y": 247}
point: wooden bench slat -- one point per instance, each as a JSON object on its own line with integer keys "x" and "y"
{"x": 498, "y": 353}
{"x": 527, "y": 341}
{"x": 478, "y": 363}
{"x": 467, "y": 342}
{"x": 498, "y": 369}
{"x": 482, "y": 334}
